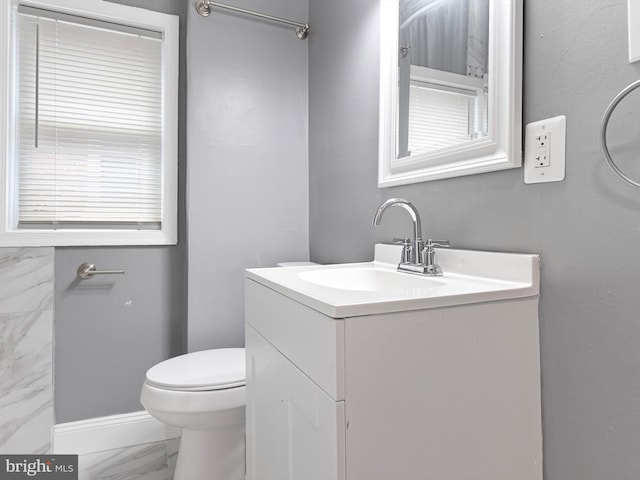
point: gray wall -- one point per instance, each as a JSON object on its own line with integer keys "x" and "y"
{"x": 248, "y": 161}
{"x": 110, "y": 330}
{"x": 586, "y": 228}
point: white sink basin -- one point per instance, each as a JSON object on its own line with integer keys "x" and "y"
{"x": 354, "y": 289}
{"x": 367, "y": 279}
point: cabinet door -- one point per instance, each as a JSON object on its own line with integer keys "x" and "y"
{"x": 311, "y": 341}
{"x": 445, "y": 394}
{"x": 294, "y": 429}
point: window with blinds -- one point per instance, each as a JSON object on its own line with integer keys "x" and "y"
{"x": 440, "y": 117}
{"x": 94, "y": 113}
{"x": 90, "y": 130}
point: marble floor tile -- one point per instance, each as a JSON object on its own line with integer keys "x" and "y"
{"x": 26, "y": 279}
{"x": 26, "y": 420}
{"x": 26, "y": 353}
{"x": 173, "y": 446}
{"x": 142, "y": 462}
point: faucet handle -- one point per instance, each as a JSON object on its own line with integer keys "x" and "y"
{"x": 406, "y": 249}
{"x": 431, "y": 267}
{"x": 402, "y": 241}
{"x": 438, "y": 243}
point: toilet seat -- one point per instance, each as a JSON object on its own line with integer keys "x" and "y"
{"x": 207, "y": 370}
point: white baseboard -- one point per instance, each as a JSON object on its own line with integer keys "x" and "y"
{"x": 109, "y": 433}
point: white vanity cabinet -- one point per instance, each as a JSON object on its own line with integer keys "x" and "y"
{"x": 295, "y": 429}
{"x": 450, "y": 392}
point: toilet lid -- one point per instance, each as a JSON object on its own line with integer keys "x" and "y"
{"x": 205, "y": 370}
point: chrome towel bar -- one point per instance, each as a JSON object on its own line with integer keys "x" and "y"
{"x": 203, "y": 7}
{"x": 88, "y": 270}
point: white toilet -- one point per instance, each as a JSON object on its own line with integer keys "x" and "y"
{"x": 204, "y": 394}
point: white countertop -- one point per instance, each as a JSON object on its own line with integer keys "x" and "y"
{"x": 355, "y": 289}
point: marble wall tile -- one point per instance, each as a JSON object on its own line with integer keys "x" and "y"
{"x": 26, "y": 350}
{"x": 141, "y": 462}
{"x": 26, "y": 418}
{"x": 26, "y": 279}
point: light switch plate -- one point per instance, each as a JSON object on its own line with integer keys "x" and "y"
{"x": 633, "y": 26}
{"x": 544, "y": 150}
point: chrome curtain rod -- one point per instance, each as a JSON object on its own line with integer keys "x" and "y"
{"x": 203, "y": 7}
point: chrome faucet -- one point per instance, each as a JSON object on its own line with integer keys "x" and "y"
{"x": 412, "y": 253}
{"x": 416, "y": 257}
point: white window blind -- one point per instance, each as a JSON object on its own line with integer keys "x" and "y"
{"x": 438, "y": 118}
{"x": 89, "y": 144}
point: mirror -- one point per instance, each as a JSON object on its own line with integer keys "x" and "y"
{"x": 450, "y": 88}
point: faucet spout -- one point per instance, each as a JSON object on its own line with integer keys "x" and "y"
{"x": 415, "y": 258}
{"x": 409, "y": 207}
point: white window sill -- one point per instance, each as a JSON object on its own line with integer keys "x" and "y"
{"x": 77, "y": 238}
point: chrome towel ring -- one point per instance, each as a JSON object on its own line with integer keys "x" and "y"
{"x": 603, "y": 134}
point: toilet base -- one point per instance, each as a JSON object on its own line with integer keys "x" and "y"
{"x": 217, "y": 454}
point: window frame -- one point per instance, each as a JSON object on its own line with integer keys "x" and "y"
{"x": 167, "y": 24}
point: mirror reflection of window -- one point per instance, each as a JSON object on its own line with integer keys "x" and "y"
{"x": 443, "y": 74}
